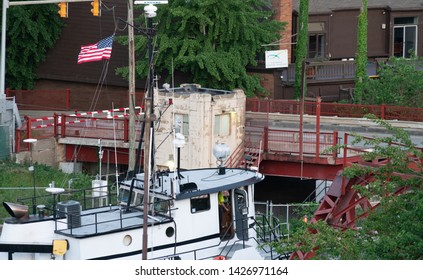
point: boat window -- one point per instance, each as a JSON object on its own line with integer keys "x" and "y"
{"x": 123, "y": 195}
{"x": 161, "y": 205}
{"x": 200, "y": 203}
{"x": 136, "y": 198}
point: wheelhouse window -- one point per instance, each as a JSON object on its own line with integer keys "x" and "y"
{"x": 316, "y": 40}
{"x": 405, "y": 37}
{"x": 161, "y": 205}
{"x": 222, "y": 125}
{"x": 200, "y": 203}
{"x": 136, "y": 197}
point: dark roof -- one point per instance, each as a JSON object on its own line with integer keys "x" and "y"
{"x": 324, "y": 6}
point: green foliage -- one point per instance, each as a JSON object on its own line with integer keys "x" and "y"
{"x": 211, "y": 40}
{"x": 31, "y": 31}
{"x": 393, "y": 230}
{"x": 16, "y": 181}
{"x": 330, "y": 242}
{"x": 397, "y": 228}
{"x": 400, "y": 83}
{"x": 296, "y": 220}
{"x": 361, "y": 59}
{"x": 301, "y": 48}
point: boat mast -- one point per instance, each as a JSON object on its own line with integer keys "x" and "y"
{"x": 148, "y": 135}
{"x": 150, "y": 13}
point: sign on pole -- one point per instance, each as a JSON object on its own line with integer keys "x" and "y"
{"x": 151, "y": 2}
{"x": 277, "y": 59}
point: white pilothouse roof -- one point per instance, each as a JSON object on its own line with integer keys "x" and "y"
{"x": 195, "y": 182}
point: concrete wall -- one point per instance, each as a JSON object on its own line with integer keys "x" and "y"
{"x": 201, "y": 107}
{"x": 44, "y": 151}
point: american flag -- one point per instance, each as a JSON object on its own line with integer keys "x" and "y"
{"x": 96, "y": 52}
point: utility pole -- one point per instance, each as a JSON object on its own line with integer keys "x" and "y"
{"x": 147, "y": 149}
{"x": 131, "y": 163}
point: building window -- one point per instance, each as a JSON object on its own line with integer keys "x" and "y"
{"x": 316, "y": 40}
{"x": 222, "y": 125}
{"x": 200, "y": 203}
{"x": 405, "y": 37}
{"x": 182, "y": 124}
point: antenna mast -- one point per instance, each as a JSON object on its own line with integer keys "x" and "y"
{"x": 150, "y": 13}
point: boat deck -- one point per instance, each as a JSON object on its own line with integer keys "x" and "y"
{"x": 103, "y": 220}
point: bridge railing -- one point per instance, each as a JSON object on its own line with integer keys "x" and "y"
{"x": 288, "y": 142}
{"x": 281, "y": 141}
{"x": 383, "y": 111}
{"x": 112, "y": 127}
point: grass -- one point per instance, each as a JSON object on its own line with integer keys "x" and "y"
{"x": 17, "y": 182}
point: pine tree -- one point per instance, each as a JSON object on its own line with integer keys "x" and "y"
{"x": 211, "y": 40}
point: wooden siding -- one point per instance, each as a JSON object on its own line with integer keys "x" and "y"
{"x": 82, "y": 28}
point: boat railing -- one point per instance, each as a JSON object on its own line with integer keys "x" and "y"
{"x": 88, "y": 198}
{"x": 71, "y": 226}
{"x": 106, "y": 219}
{"x": 269, "y": 228}
{"x": 110, "y": 218}
{"x": 261, "y": 240}
{"x": 285, "y": 216}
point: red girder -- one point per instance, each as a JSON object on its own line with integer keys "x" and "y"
{"x": 338, "y": 207}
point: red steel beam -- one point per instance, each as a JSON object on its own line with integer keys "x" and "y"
{"x": 293, "y": 169}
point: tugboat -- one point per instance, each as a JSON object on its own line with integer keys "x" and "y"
{"x": 179, "y": 214}
{"x": 172, "y": 214}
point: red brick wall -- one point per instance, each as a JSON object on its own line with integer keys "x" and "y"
{"x": 283, "y": 10}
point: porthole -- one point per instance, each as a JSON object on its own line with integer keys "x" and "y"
{"x": 170, "y": 231}
{"x": 127, "y": 240}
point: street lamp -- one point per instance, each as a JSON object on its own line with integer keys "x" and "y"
{"x": 31, "y": 142}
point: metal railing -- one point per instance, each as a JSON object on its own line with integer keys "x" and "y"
{"x": 292, "y": 107}
{"x": 322, "y": 71}
{"x": 282, "y": 216}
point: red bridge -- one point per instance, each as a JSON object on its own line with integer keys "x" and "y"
{"x": 306, "y": 150}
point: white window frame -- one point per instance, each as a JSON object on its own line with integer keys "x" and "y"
{"x": 404, "y": 50}
{"x": 222, "y": 124}
{"x": 182, "y": 126}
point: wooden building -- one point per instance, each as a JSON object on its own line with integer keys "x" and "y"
{"x": 394, "y": 29}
